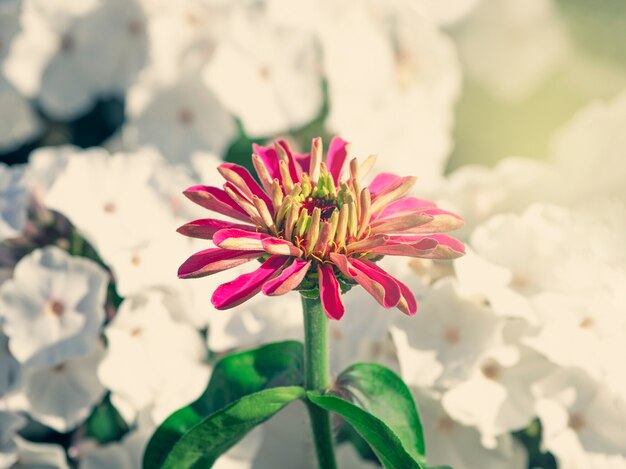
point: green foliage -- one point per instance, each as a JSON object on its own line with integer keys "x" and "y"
{"x": 234, "y": 401}
{"x": 105, "y": 424}
{"x": 379, "y": 406}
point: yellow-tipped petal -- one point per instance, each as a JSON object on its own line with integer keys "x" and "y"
{"x": 314, "y": 230}
{"x": 292, "y": 218}
{"x": 286, "y": 177}
{"x": 364, "y": 216}
{"x": 277, "y": 196}
{"x": 265, "y": 214}
{"x": 316, "y": 158}
{"x": 262, "y": 172}
{"x": 395, "y": 194}
{"x": 353, "y": 221}
{"x": 342, "y": 225}
{"x": 301, "y": 224}
{"x": 366, "y": 166}
{"x": 244, "y": 204}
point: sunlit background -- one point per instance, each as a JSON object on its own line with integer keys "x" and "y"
{"x": 512, "y": 113}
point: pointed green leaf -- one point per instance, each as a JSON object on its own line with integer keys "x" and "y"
{"x": 205, "y": 442}
{"x": 383, "y": 394}
{"x": 384, "y": 442}
{"x": 368, "y": 395}
{"x": 234, "y": 376}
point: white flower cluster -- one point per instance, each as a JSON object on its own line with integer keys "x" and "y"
{"x": 529, "y": 327}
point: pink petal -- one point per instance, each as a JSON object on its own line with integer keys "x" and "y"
{"x": 217, "y": 200}
{"x": 336, "y": 157}
{"x": 419, "y": 248}
{"x": 372, "y": 278}
{"x": 280, "y": 247}
{"x": 289, "y": 279}
{"x": 303, "y": 162}
{"x": 330, "y": 293}
{"x": 383, "y": 183}
{"x": 269, "y": 158}
{"x": 213, "y": 260}
{"x": 447, "y": 247}
{"x": 244, "y": 287}
{"x": 408, "y": 303}
{"x": 232, "y": 238}
{"x": 442, "y": 221}
{"x": 205, "y": 228}
{"x": 405, "y": 206}
{"x": 293, "y": 171}
{"x": 250, "y": 182}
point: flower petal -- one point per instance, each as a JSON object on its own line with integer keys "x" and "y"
{"x": 408, "y": 303}
{"x": 280, "y": 247}
{"x": 214, "y": 260}
{"x": 447, "y": 247}
{"x": 289, "y": 279}
{"x": 405, "y": 206}
{"x": 205, "y": 228}
{"x": 244, "y": 287}
{"x": 387, "y": 188}
{"x": 330, "y": 293}
{"x": 252, "y": 186}
{"x": 400, "y": 224}
{"x": 217, "y": 200}
{"x": 336, "y": 157}
{"x": 372, "y": 278}
{"x": 420, "y": 248}
{"x": 441, "y": 222}
{"x": 270, "y": 160}
{"x": 232, "y": 238}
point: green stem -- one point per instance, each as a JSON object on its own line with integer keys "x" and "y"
{"x": 317, "y": 378}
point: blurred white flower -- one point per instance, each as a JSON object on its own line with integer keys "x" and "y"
{"x": 62, "y": 396}
{"x": 497, "y": 398}
{"x": 179, "y": 119}
{"x": 511, "y": 47}
{"x": 18, "y": 121}
{"x": 386, "y": 64}
{"x": 441, "y": 345}
{"x": 478, "y": 192}
{"x": 10, "y": 423}
{"x": 268, "y": 75}
{"x": 451, "y": 443}
{"x": 583, "y": 423}
{"x": 13, "y": 201}
{"x": 61, "y": 58}
{"x": 126, "y": 454}
{"x": 46, "y": 163}
{"x": 152, "y": 361}
{"x": 53, "y": 307}
{"x": 10, "y": 368}
{"x": 587, "y": 154}
{"x": 39, "y": 455}
{"x": 447, "y": 12}
{"x": 9, "y": 24}
{"x": 109, "y": 199}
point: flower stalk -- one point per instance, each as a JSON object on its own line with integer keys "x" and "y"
{"x": 317, "y": 377}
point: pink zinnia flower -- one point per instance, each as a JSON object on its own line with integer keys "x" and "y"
{"x": 314, "y": 229}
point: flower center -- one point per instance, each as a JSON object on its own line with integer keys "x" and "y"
{"x": 56, "y": 308}
{"x": 326, "y": 206}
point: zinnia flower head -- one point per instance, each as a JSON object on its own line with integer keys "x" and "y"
{"x": 315, "y": 228}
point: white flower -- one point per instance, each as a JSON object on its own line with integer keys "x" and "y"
{"x": 268, "y": 75}
{"x": 583, "y": 423}
{"x": 9, "y": 24}
{"x": 448, "y": 11}
{"x": 512, "y": 47}
{"x": 178, "y": 119}
{"x": 45, "y": 164}
{"x": 479, "y": 192}
{"x": 10, "y": 369}
{"x": 13, "y": 201}
{"x": 19, "y": 123}
{"x": 53, "y": 307}
{"x": 592, "y": 143}
{"x": 61, "y": 58}
{"x": 152, "y": 362}
{"x": 386, "y": 64}
{"x": 10, "y": 423}
{"x": 454, "y": 444}
{"x": 127, "y": 454}
{"x": 442, "y": 343}
{"x": 109, "y": 198}
{"x": 39, "y": 455}
{"x": 497, "y": 398}
{"x": 62, "y": 396}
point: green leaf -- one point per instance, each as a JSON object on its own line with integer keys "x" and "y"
{"x": 371, "y": 396}
{"x": 382, "y": 439}
{"x": 234, "y": 376}
{"x": 105, "y": 424}
{"x": 204, "y": 443}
